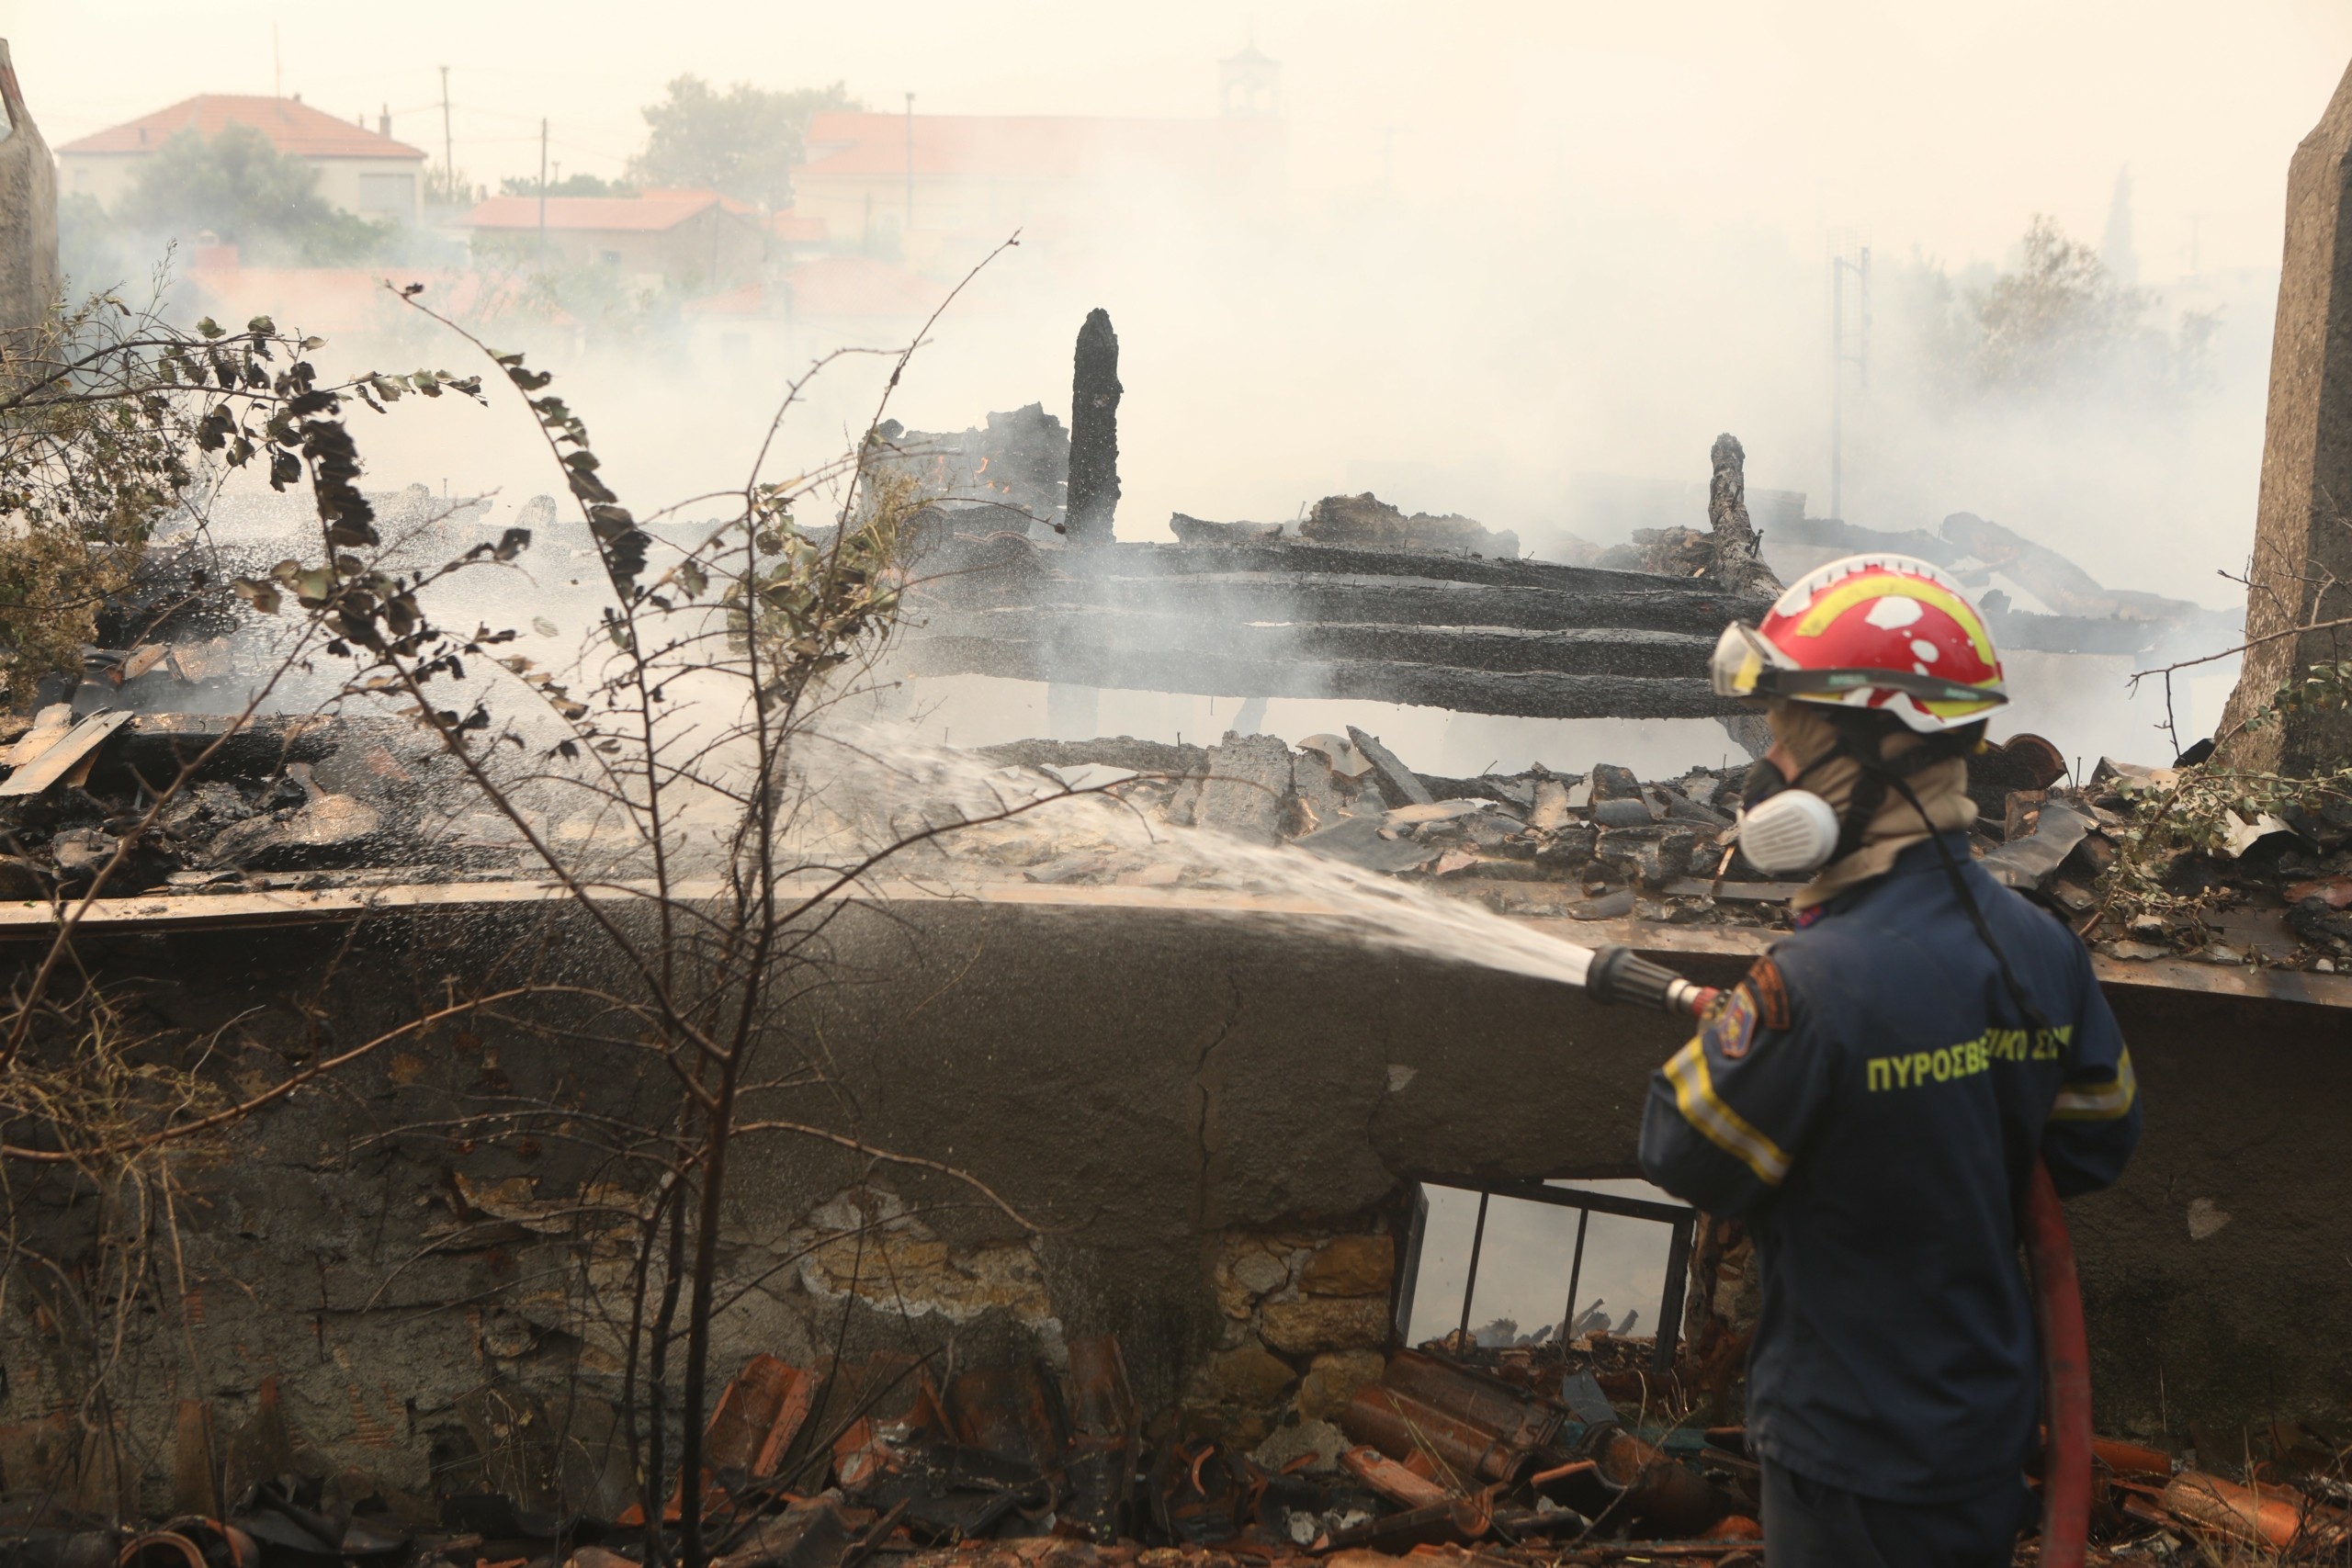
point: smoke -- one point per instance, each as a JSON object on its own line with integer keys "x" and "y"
{"x": 1490, "y": 269}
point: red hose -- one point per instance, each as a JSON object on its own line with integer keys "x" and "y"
{"x": 2066, "y": 1377}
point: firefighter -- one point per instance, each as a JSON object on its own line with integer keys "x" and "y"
{"x": 1871, "y": 1098}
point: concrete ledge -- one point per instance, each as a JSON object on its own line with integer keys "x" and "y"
{"x": 1714, "y": 947}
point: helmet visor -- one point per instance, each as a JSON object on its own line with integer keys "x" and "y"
{"x": 1741, "y": 662}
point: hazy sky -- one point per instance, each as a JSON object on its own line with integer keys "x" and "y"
{"x": 1943, "y": 125}
{"x": 1527, "y": 244}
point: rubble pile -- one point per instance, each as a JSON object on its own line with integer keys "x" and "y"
{"x": 2224, "y": 866}
{"x": 1363, "y": 521}
{"x": 279, "y": 801}
{"x": 1594, "y": 845}
{"x": 1025, "y": 1466}
{"x": 2193, "y": 862}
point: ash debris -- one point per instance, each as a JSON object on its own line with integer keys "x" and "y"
{"x": 1011, "y": 473}
{"x": 2143, "y": 863}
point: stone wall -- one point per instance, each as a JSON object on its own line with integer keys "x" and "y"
{"x": 1211, "y": 1119}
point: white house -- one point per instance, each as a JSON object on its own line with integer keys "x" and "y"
{"x": 361, "y": 171}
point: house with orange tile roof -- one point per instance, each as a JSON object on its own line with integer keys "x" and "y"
{"x": 361, "y": 171}
{"x": 697, "y": 239}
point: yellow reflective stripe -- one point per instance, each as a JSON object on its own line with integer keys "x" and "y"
{"x": 1836, "y": 601}
{"x": 1695, "y": 1097}
{"x": 2098, "y": 1101}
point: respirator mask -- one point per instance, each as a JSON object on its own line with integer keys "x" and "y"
{"x": 1785, "y": 830}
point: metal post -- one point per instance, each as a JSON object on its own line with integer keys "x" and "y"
{"x": 1576, "y": 1274}
{"x": 1837, "y": 386}
{"x": 1862, "y": 348}
{"x": 1678, "y": 1279}
{"x": 543, "y": 190}
{"x": 449, "y": 154}
{"x": 1838, "y": 357}
{"x": 1470, "y": 1283}
{"x": 1408, "y": 1267}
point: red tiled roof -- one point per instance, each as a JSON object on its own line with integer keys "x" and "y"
{"x": 294, "y": 128}
{"x": 1050, "y": 145}
{"x": 649, "y": 214}
{"x": 699, "y": 193}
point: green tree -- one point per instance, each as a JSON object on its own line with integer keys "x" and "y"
{"x": 743, "y": 143}
{"x": 2057, "y": 321}
{"x": 570, "y": 184}
{"x": 236, "y": 186}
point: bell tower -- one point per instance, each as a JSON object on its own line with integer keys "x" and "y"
{"x": 1250, "y": 85}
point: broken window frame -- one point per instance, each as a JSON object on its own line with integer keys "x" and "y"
{"x": 1681, "y": 1221}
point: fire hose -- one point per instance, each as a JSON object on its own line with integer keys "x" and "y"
{"x": 1617, "y": 975}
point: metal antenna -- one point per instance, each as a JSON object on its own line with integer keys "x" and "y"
{"x": 1846, "y": 349}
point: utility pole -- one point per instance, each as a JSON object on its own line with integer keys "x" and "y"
{"x": 1840, "y": 355}
{"x": 543, "y": 190}
{"x": 910, "y": 168}
{"x": 276, "y": 74}
{"x": 448, "y": 156}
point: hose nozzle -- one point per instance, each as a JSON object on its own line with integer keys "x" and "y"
{"x": 1618, "y": 975}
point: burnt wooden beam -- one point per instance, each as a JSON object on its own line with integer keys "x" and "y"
{"x": 1093, "y": 493}
{"x": 1529, "y": 638}
{"x": 1527, "y": 694}
{"x": 963, "y": 554}
{"x": 1575, "y": 650}
{"x": 1354, "y": 601}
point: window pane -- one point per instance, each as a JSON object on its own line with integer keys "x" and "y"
{"x": 1525, "y": 1262}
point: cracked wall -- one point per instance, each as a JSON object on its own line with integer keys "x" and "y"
{"x": 1212, "y": 1119}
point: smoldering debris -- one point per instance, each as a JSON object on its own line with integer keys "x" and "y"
{"x": 1264, "y": 617}
{"x": 2188, "y": 862}
{"x": 1450, "y": 1455}
{"x": 2079, "y": 614}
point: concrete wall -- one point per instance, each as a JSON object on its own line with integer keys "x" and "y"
{"x": 110, "y": 177}
{"x": 1209, "y": 1115}
{"x": 28, "y": 275}
{"x": 713, "y": 249}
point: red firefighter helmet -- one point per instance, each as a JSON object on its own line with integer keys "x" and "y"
{"x": 1888, "y": 631}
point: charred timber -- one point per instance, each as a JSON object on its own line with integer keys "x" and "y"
{"x": 1532, "y": 693}
{"x": 1528, "y": 639}
{"x": 1356, "y": 601}
{"x": 1567, "y": 651}
{"x": 1093, "y": 494}
{"x": 976, "y": 564}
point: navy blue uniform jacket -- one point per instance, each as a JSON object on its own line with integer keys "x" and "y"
{"x": 1871, "y": 1102}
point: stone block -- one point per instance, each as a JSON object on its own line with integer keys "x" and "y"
{"x": 1248, "y": 788}
{"x": 1289, "y": 1443}
{"x": 1248, "y": 1268}
{"x": 1312, "y": 1324}
{"x": 1249, "y": 1376}
{"x": 1350, "y": 1266}
{"x": 1332, "y": 1379}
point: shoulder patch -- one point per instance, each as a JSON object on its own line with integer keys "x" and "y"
{"x": 1733, "y": 1028}
{"x": 1770, "y": 993}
